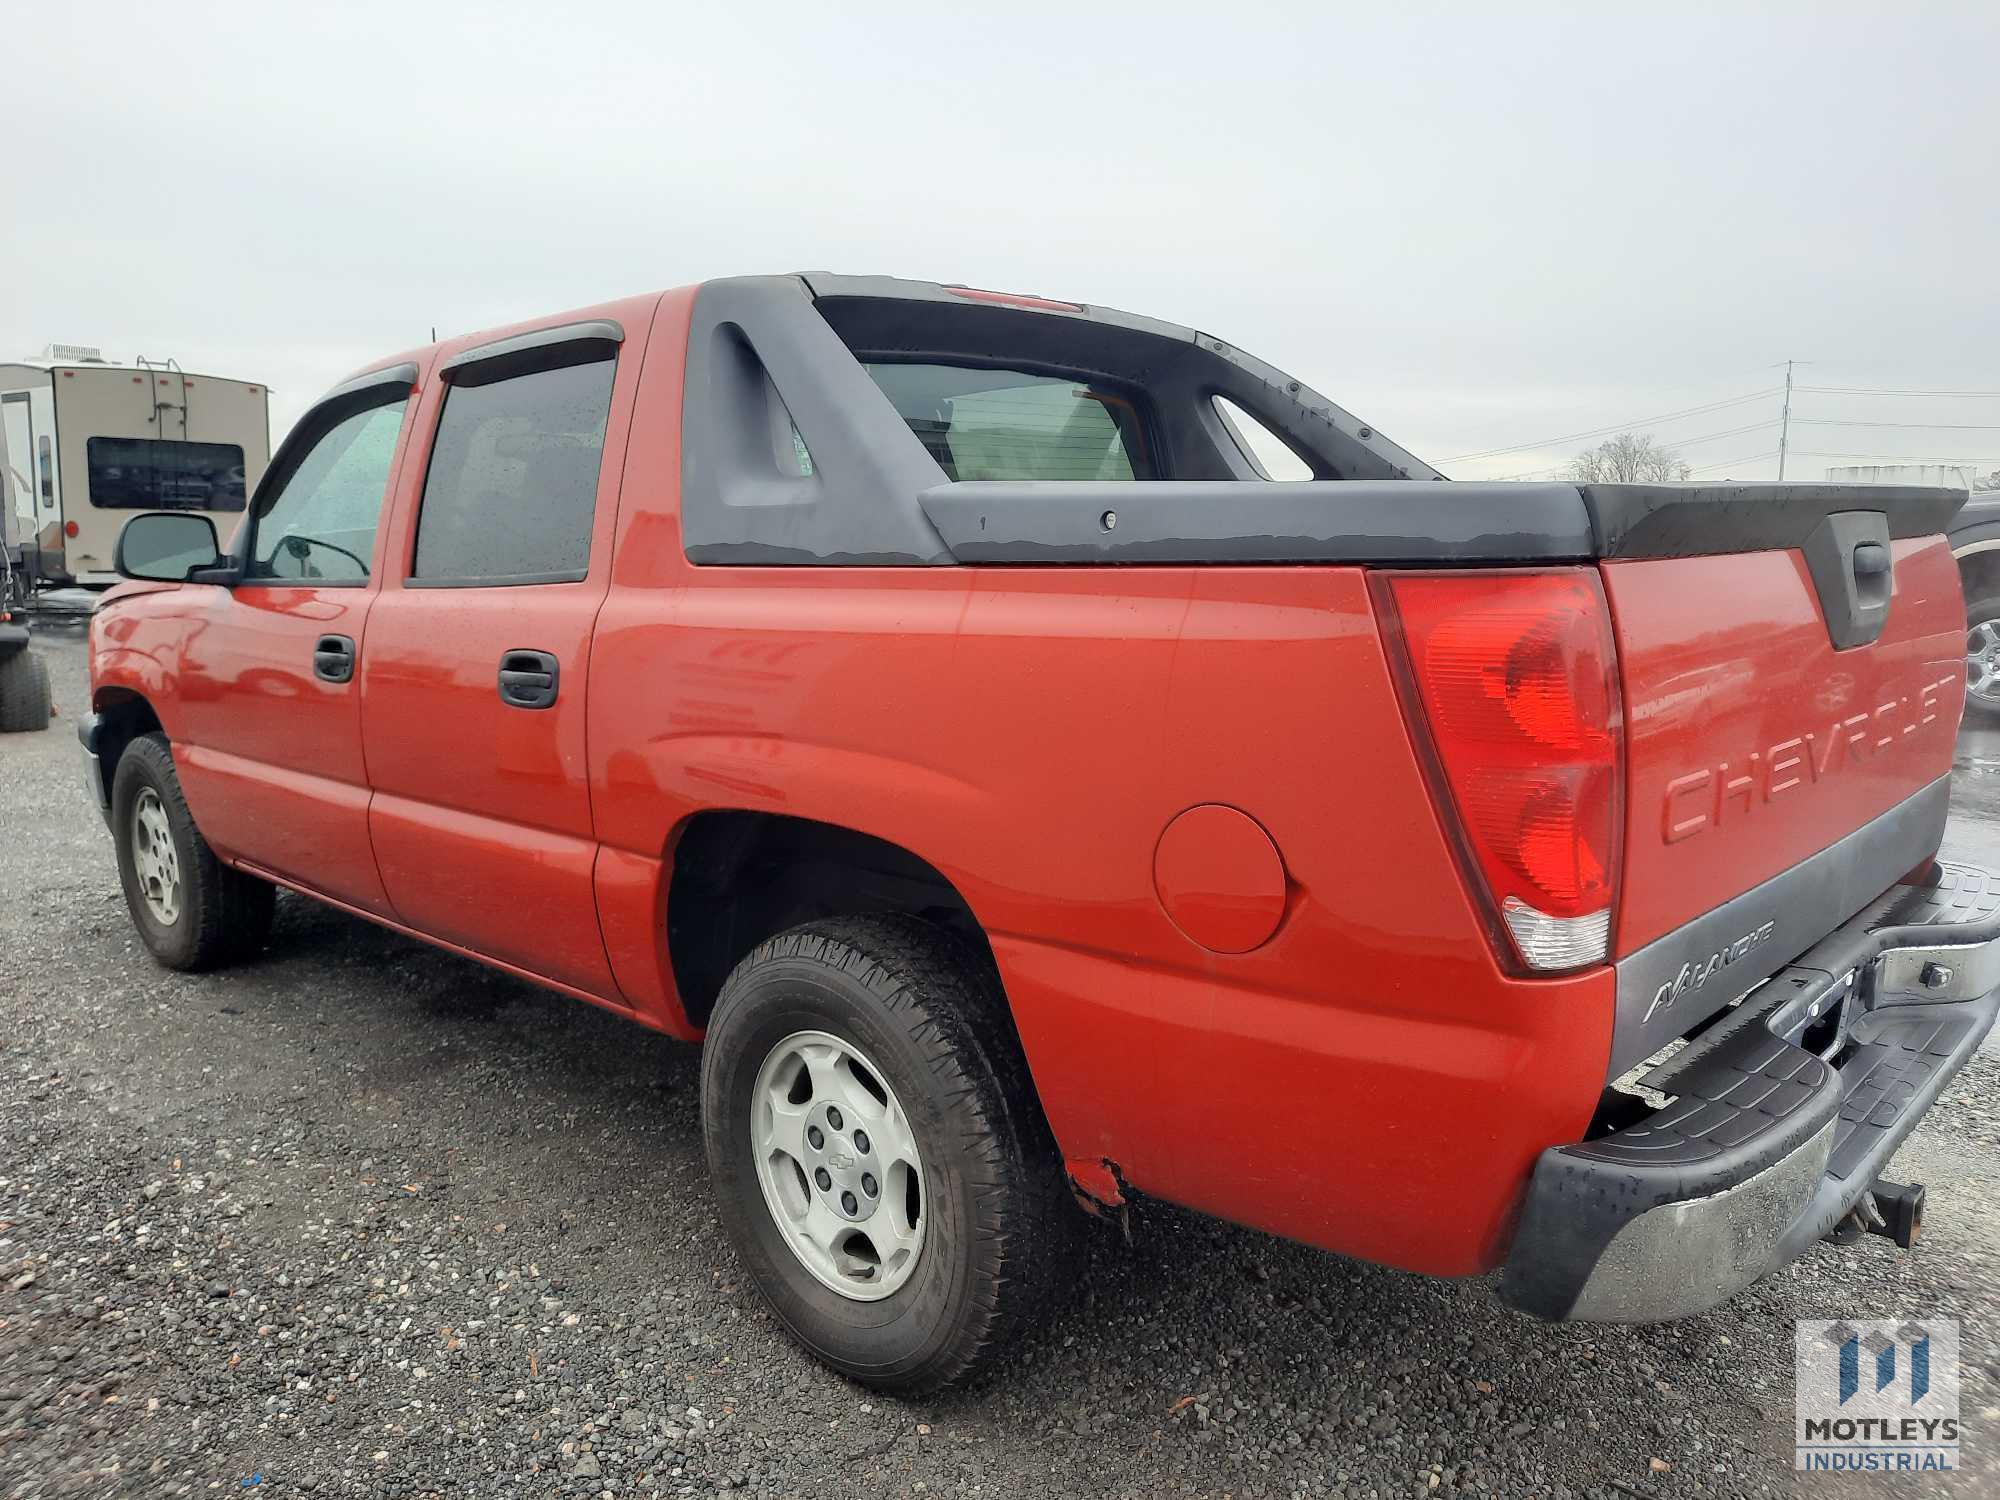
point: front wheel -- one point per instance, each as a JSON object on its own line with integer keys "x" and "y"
{"x": 879, "y": 1159}
{"x": 191, "y": 910}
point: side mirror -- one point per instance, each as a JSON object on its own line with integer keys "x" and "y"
{"x": 166, "y": 548}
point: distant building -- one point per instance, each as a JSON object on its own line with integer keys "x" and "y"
{"x": 1950, "y": 476}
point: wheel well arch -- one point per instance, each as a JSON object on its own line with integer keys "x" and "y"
{"x": 1980, "y": 572}
{"x": 739, "y": 877}
{"x": 122, "y": 716}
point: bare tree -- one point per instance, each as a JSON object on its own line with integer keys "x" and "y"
{"x": 1629, "y": 458}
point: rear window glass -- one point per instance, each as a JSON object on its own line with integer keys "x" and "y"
{"x": 512, "y": 486}
{"x": 1011, "y": 424}
{"x": 164, "y": 474}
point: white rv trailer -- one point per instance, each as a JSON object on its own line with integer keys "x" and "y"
{"x": 85, "y": 445}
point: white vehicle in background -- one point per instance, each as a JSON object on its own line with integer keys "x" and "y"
{"x": 85, "y": 445}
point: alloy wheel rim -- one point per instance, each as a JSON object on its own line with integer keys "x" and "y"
{"x": 155, "y": 860}
{"x": 1982, "y": 661}
{"x": 839, "y": 1166}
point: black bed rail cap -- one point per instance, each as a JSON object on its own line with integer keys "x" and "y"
{"x": 1696, "y": 520}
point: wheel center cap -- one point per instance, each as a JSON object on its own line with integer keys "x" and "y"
{"x": 842, "y": 1163}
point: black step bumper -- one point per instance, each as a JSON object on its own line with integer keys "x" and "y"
{"x": 1783, "y": 1115}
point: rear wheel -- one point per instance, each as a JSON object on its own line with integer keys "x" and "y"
{"x": 879, "y": 1158}
{"x": 191, "y": 910}
{"x": 1982, "y": 655}
{"x": 24, "y": 692}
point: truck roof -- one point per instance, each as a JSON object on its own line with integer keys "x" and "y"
{"x": 1103, "y": 326}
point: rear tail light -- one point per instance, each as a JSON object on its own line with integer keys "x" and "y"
{"x": 1510, "y": 684}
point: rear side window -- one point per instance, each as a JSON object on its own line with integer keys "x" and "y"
{"x": 512, "y": 485}
{"x": 1011, "y": 424}
{"x": 1271, "y": 454}
{"x": 164, "y": 474}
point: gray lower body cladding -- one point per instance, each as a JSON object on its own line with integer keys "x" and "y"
{"x": 1782, "y": 1116}
{"x": 89, "y": 729}
{"x": 1683, "y": 978}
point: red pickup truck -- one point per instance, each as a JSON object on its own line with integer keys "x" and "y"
{"x": 927, "y": 697}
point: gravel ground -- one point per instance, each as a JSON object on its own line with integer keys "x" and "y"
{"x": 363, "y": 1219}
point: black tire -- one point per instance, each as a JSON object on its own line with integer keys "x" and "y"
{"x": 1000, "y": 1217}
{"x": 24, "y": 692}
{"x": 222, "y": 914}
{"x": 1983, "y": 611}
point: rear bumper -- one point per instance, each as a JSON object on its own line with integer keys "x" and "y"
{"x": 1783, "y": 1115}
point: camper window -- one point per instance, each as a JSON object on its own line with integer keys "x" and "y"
{"x": 164, "y": 474}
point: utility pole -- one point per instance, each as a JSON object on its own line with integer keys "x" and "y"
{"x": 1785, "y": 423}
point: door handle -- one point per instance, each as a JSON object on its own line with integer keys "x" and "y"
{"x": 529, "y": 679}
{"x": 333, "y": 658}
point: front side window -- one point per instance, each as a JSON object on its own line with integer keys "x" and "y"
{"x": 1010, "y": 424}
{"x": 320, "y": 524}
{"x": 512, "y": 486}
{"x": 163, "y": 474}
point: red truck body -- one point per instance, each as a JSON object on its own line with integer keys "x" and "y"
{"x": 1191, "y": 806}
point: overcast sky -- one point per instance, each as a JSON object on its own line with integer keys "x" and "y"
{"x": 1476, "y": 226}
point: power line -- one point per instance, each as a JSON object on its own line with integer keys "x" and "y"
{"x": 1863, "y": 390}
{"x": 1705, "y": 437}
{"x": 1752, "y": 458}
{"x": 1925, "y": 426}
{"x": 1783, "y": 422}
{"x": 1727, "y": 463}
{"x": 1730, "y": 432}
{"x": 1551, "y": 472}
{"x": 1901, "y": 458}
{"x": 1572, "y": 437}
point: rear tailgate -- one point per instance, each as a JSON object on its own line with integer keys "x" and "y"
{"x": 1790, "y": 708}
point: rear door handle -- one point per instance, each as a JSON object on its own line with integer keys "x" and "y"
{"x": 529, "y": 679}
{"x": 333, "y": 658}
